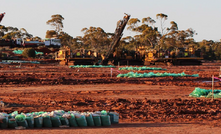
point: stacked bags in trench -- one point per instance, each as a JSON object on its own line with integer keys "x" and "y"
{"x": 58, "y": 118}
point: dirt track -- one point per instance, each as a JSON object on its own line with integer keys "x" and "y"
{"x": 149, "y": 100}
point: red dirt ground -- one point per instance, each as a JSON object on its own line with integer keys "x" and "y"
{"x": 145, "y": 105}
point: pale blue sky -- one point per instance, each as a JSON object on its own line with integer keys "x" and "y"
{"x": 200, "y": 15}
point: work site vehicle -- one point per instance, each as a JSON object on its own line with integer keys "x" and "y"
{"x": 115, "y": 57}
{"x": 52, "y": 42}
{"x": 112, "y": 56}
{"x": 179, "y": 56}
{"x": 76, "y": 57}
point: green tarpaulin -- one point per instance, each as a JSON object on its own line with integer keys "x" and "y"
{"x": 151, "y": 74}
{"x": 207, "y": 93}
{"x": 91, "y": 66}
{"x": 141, "y": 68}
{"x": 21, "y": 51}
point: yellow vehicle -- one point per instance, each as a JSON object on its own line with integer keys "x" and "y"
{"x": 77, "y": 57}
{"x": 179, "y": 56}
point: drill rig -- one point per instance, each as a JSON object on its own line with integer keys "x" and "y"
{"x": 115, "y": 42}
{"x": 1, "y": 16}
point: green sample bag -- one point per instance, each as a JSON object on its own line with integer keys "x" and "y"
{"x": 105, "y": 120}
{"x": 90, "y": 121}
{"x": 81, "y": 121}
{"x": 4, "y": 122}
{"x": 20, "y": 119}
{"x": 64, "y": 121}
{"x": 30, "y": 121}
{"x": 47, "y": 121}
{"x": 114, "y": 117}
{"x": 38, "y": 122}
{"x": 56, "y": 122}
{"x": 97, "y": 121}
{"x": 72, "y": 121}
{"x": 12, "y": 123}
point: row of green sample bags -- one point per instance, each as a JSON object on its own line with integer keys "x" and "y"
{"x": 58, "y": 118}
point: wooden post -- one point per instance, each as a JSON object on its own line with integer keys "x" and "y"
{"x": 220, "y": 72}
{"x": 212, "y": 87}
{"x": 111, "y": 72}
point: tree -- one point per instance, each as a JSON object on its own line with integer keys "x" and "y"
{"x": 77, "y": 42}
{"x": 217, "y": 49}
{"x": 66, "y": 39}
{"x": 36, "y": 38}
{"x": 3, "y": 29}
{"x": 24, "y": 34}
{"x": 148, "y": 34}
{"x": 96, "y": 39}
{"x": 50, "y": 34}
{"x": 162, "y": 18}
{"x": 13, "y": 32}
{"x": 56, "y": 22}
{"x": 128, "y": 43}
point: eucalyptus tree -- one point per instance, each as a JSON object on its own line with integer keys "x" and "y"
{"x": 13, "y": 32}
{"x": 77, "y": 43}
{"x": 24, "y": 34}
{"x": 207, "y": 49}
{"x": 147, "y": 34}
{"x": 217, "y": 49}
{"x": 50, "y": 34}
{"x": 182, "y": 37}
{"x": 168, "y": 40}
{"x": 129, "y": 43}
{"x": 37, "y": 38}
{"x": 56, "y": 23}
{"x": 3, "y": 29}
{"x": 66, "y": 39}
{"x": 163, "y": 18}
{"x": 96, "y": 39}
{"x": 177, "y": 38}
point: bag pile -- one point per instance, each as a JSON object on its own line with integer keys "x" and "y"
{"x": 20, "y": 61}
{"x": 140, "y": 68}
{"x": 58, "y": 118}
{"x": 91, "y": 66}
{"x": 207, "y": 93}
{"x": 152, "y": 74}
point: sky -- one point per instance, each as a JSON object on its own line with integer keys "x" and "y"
{"x": 200, "y": 15}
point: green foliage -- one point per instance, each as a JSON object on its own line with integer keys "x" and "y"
{"x": 50, "y": 34}
{"x": 95, "y": 38}
{"x": 13, "y": 32}
{"x": 66, "y": 39}
{"x": 29, "y": 53}
{"x": 148, "y": 34}
{"x": 56, "y": 22}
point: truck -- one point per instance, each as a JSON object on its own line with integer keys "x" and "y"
{"x": 29, "y": 43}
{"x": 52, "y": 42}
{"x": 18, "y": 42}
